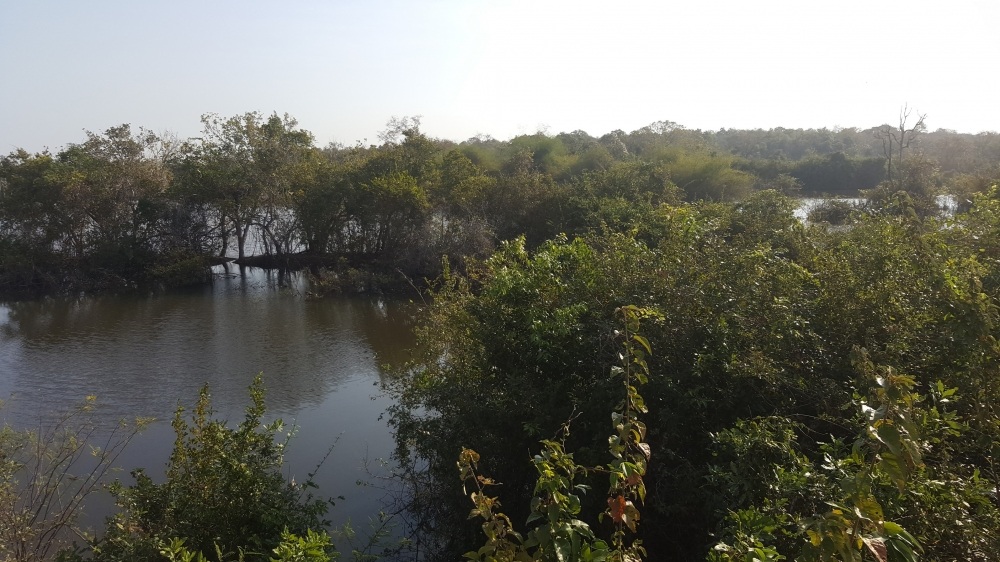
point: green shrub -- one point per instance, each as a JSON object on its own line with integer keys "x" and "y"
{"x": 834, "y": 211}
{"x": 224, "y": 491}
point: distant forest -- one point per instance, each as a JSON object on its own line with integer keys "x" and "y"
{"x": 126, "y": 208}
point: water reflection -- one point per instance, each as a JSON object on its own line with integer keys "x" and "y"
{"x": 144, "y": 355}
{"x": 141, "y": 355}
{"x": 949, "y": 204}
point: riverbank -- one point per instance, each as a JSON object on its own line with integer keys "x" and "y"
{"x": 51, "y": 274}
{"x": 332, "y": 274}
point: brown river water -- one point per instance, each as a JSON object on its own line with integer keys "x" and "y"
{"x": 144, "y": 355}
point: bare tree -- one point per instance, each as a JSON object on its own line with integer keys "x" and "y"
{"x": 46, "y": 475}
{"x": 896, "y": 139}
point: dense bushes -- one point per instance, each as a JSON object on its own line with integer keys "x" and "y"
{"x": 768, "y": 365}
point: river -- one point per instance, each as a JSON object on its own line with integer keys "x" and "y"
{"x": 144, "y": 355}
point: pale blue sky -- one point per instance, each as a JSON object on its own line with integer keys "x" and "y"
{"x": 502, "y": 68}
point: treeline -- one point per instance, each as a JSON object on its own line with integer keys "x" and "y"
{"x": 125, "y": 208}
{"x": 813, "y": 393}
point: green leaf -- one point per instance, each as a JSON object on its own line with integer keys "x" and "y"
{"x": 869, "y": 508}
{"x": 563, "y": 549}
{"x": 888, "y": 435}
{"x": 889, "y": 464}
{"x": 644, "y": 342}
{"x": 892, "y": 528}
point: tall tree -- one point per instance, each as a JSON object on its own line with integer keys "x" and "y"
{"x": 29, "y": 202}
{"x": 244, "y": 164}
{"x": 896, "y": 139}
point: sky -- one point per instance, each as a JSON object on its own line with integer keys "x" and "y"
{"x": 498, "y": 68}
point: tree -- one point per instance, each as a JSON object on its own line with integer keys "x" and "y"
{"x": 899, "y": 138}
{"x": 103, "y": 198}
{"x": 387, "y": 210}
{"x": 117, "y": 184}
{"x": 397, "y": 128}
{"x": 30, "y": 202}
{"x": 458, "y": 223}
{"x": 786, "y": 185}
{"x": 320, "y": 205}
{"x": 704, "y": 175}
{"x": 635, "y": 181}
{"x": 244, "y": 165}
{"x": 524, "y": 200}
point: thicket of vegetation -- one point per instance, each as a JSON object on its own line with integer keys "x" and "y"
{"x": 804, "y": 380}
{"x": 808, "y": 392}
{"x": 126, "y": 208}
